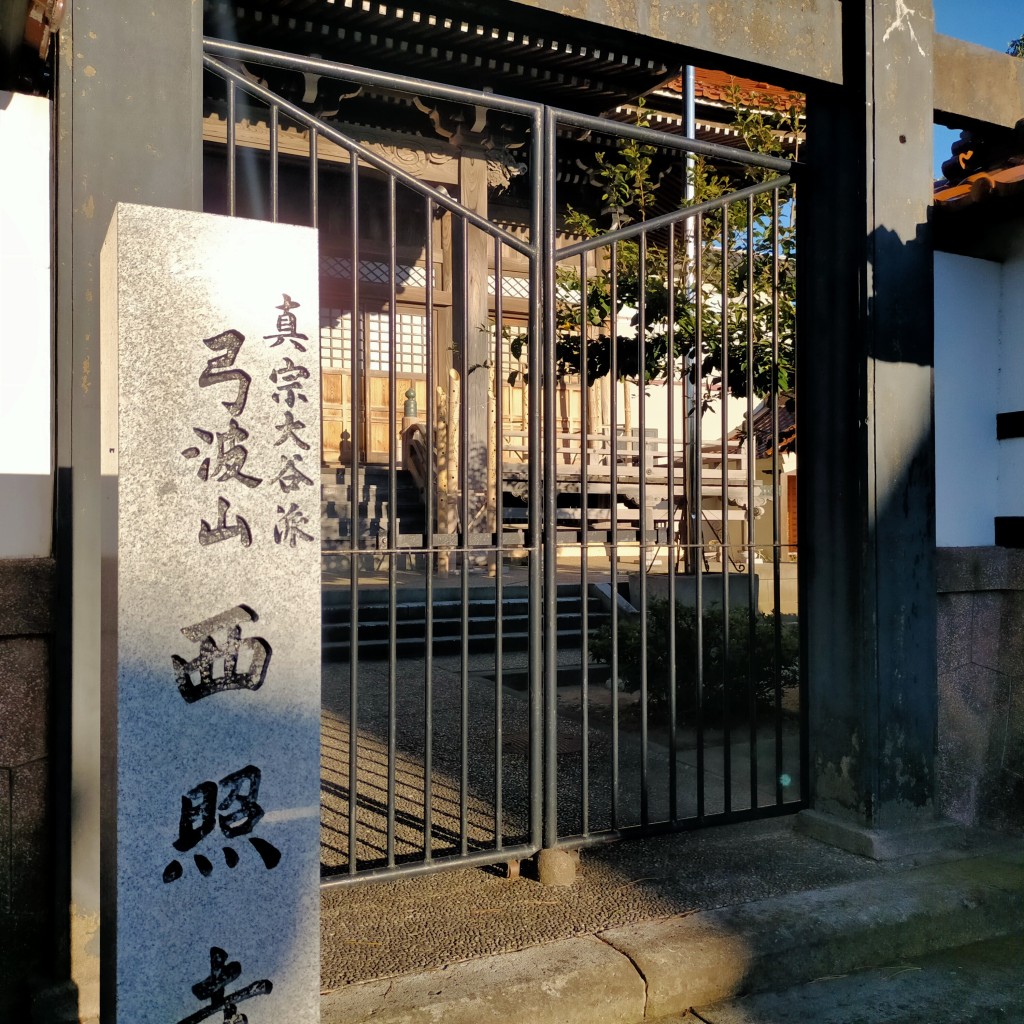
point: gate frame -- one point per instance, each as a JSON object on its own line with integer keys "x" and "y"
{"x": 543, "y": 254}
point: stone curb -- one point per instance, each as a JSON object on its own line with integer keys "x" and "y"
{"x": 775, "y": 943}
{"x": 648, "y": 971}
{"x": 574, "y": 981}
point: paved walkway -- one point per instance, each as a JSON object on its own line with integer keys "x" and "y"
{"x": 652, "y": 928}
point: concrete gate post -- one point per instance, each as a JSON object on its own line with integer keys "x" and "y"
{"x": 866, "y": 438}
{"x": 128, "y": 115}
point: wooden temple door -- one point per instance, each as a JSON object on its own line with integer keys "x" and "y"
{"x": 379, "y": 422}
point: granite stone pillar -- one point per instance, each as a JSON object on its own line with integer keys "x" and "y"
{"x": 210, "y": 464}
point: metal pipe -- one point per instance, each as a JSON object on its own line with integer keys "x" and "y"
{"x": 464, "y": 533}
{"x": 645, "y": 515}
{"x": 356, "y": 341}
{"x": 698, "y": 497}
{"x": 584, "y": 556}
{"x": 499, "y": 529}
{"x": 349, "y": 72}
{"x": 725, "y": 552}
{"x": 429, "y": 503}
{"x": 654, "y": 137}
{"x": 751, "y": 468}
{"x": 776, "y": 488}
{"x": 543, "y": 132}
{"x": 666, "y": 220}
{"x": 393, "y": 450}
{"x": 275, "y": 184}
{"x": 314, "y": 180}
{"x": 356, "y": 150}
{"x": 417, "y": 869}
{"x": 673, "y": 682}
{"x": 231, "y": 150}
{"x": 613, "y": 459}
{"x": 550, "y": 504}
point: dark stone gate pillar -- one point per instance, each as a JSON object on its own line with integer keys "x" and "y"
{"x": 866, "y": 434}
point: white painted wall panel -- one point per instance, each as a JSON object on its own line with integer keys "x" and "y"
{"x": 1010, "y": 495}
{"x": 26, "y": 461}
{"x": 968, "y": 297}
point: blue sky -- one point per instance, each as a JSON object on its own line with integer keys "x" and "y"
{"x": 991, "y": 23}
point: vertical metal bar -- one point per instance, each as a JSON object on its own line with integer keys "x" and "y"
{"x": 314, "y": 179}
{"x": 670, "y": 371}
{"x": 692, "y": 242}
{"x": 645, "y": 516}
{"x": 275, "y": 183}
{"x": 725, "y": 552}
{"x": 499, "y": 529}
{"x": 356, "y": 340}
{"x": 393, "y": 450}
{"x": 543, "y": 130}
{"x": 804, "y": 709}
{"x": 776, "y": 489}
{"x": 613, "y": 462}
{"x": 550, "y": 505}
{"x": 698, "y": 498}
{"x": 232, "y": 149}
{"x": 464, "y": 525}
{"x": 751, "y": 468}
{"x": 584, "y": 557}
{"x": 429, "y": 500}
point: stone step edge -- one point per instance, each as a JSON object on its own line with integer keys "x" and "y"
{"x": 655, "y": 969}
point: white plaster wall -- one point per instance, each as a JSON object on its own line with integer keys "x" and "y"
{"x": 26, "y": 445}
{"x": 1010, "y": 495}
{"x": 968, "y": 297}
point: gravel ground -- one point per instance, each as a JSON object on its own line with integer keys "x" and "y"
{"x": 404, "y": 925}
{"x": 482, "y": 696}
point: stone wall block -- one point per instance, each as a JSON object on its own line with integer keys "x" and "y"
{"x": 969, "y": 698}
{"x": 955, "y": 619}
{"x": 30, "y": 886}
{"x": 1013, "y": 746}
{"x": 5, "y": 841}
{"x": 26, "y": 596}
{"x": 24, "y": 699}
{"x": 997, "y": 638}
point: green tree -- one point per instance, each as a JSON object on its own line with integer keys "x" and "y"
{"x": 629, "y": 182}
{"x": 1016, "y": 47}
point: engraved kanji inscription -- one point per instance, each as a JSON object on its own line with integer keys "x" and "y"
{"x": 228, "y": 461}
{"x": 289, "y": 380}
{"x": 211, "y": 990}
{"x": 287, "y": 326}
{"x": 225, "y": 661}
{"x": 289, "y": 476}
{"x": 222, "y": 531}
{"x": 289, "y": 526}
{"x": 222, "y": 369}
{"x": 232, "y": 804}
{"x": 289, "y": 431}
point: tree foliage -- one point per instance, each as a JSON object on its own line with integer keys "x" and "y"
{"x": 642, "y": 277}
{"x": 1016, "y": 47}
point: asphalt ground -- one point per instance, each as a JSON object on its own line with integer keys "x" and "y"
{"x": 981, "y": 983}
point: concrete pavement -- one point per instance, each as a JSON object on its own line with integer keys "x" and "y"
{"x": 982, "y": 983}
{"x": 703, "y": 920}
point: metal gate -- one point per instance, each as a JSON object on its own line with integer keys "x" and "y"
{"x": 559, "y": 568}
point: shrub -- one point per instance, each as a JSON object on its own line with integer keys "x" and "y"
{"x": 744, "y": 659}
